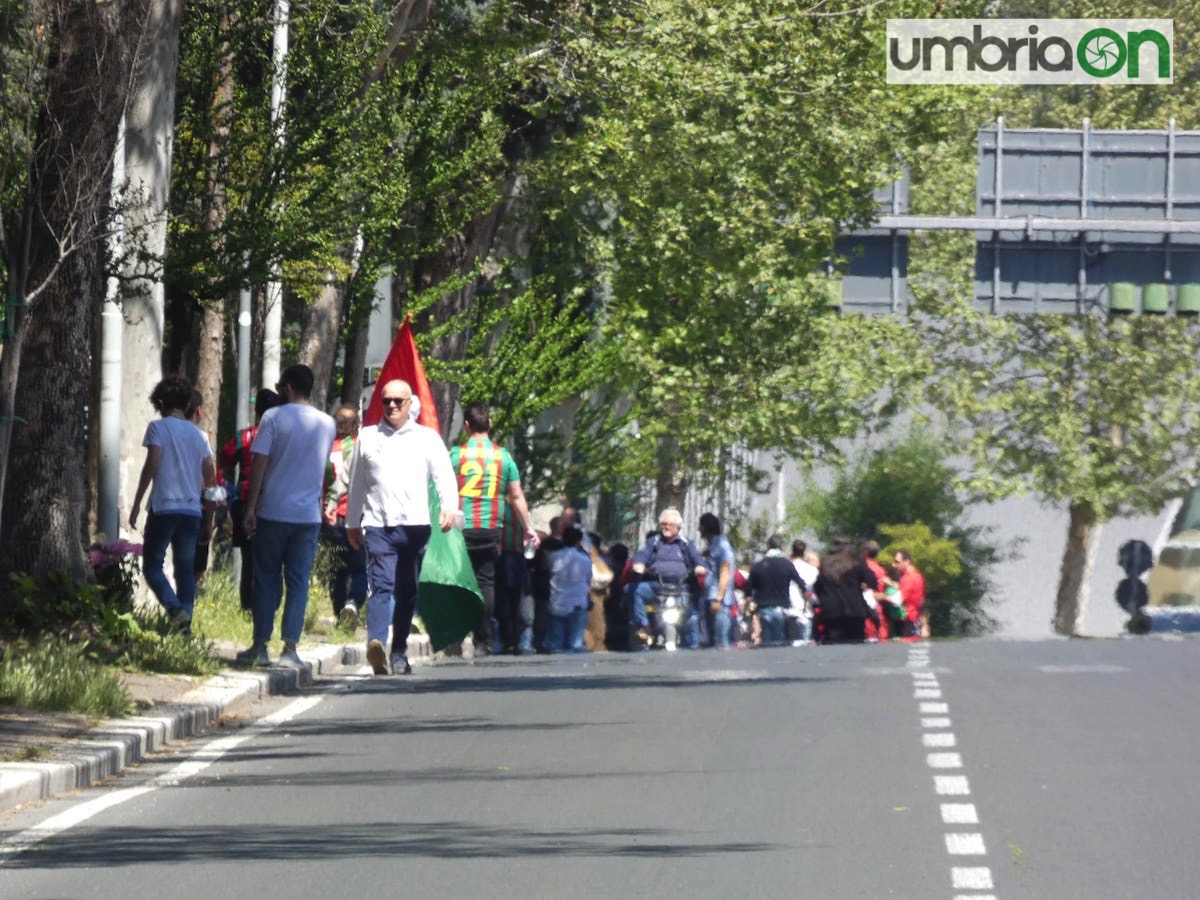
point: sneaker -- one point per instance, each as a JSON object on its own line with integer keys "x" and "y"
{"x": 348, "y": 618}
{"x": 180, "y": 617}
{"x": 377, "y": 657}
{"x": 253, "y": 657}
{"x": 400, "y": 664}
{"x": 290, "y": 659}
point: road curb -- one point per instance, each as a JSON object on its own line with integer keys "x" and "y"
{"x": 114, "y": 744}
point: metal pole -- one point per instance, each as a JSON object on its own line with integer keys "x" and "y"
{"x": 996, "y": 211}
{"x": 245, "y": 317}
{"x": 112, "y": 337}
{"x": 1084, "y": 174}
{"x": 273, "y": 318}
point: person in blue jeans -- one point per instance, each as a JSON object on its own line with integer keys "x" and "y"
{"x": 769, "y": 585}
{"x": 179, "y": 463}
{"x": 283, "y": 512}
{"x": 718, "y": 582}
{"x": 570, "y": 581}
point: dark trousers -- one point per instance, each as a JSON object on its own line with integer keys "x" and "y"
{"x": 845, "y": 630}
{"x": 394, "y": 555}
{"x": 514, "y": 607}
{"x": 349, "y": 578}
{"x": 483, "y": 547}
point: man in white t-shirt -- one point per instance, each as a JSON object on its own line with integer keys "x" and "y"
{"x": 800, "y": 613}
{"x": 283, "y": 511}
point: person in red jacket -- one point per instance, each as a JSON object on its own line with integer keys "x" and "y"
{"x": 912, "y": 595}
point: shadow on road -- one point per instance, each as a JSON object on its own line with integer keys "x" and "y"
{"x": 268, "y": 840}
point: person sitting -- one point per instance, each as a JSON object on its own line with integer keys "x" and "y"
{"x": 666, "y": 560}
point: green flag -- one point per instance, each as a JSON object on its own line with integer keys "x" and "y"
{"x": 448, "y": 598}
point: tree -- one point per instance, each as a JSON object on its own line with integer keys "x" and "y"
{"x": 719, "y": 153}
{"x": 53, "y": 246}
{"x": 1091, "y": 412}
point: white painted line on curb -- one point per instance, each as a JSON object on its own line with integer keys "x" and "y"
{"x": 952, "y": 785}
{"x": 939, "y": 722}
{"x": 927, "y": 694}
{"x": 959, "y": 814}
{"x": 204, "y": 757}
{"x": 935, "y": 709}
{"x": 965, "y": 845}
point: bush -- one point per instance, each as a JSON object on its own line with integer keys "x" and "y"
{"x": 59, "y": 675}
{"x": 904, "y": 497}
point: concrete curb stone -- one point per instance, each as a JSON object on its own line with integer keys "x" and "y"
{"x": 112, "y": 745}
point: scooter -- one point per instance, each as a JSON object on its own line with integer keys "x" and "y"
{"x": 667, "y": 613}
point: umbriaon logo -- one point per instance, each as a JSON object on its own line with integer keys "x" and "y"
{"x": 1030, "y": 51}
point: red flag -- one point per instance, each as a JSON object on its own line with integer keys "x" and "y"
{"x": 403, "y": 362}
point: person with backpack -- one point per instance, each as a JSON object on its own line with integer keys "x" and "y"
{"x": 666, "y": 559}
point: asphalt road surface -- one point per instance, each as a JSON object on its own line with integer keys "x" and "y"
{"x": 1007, "y": 770}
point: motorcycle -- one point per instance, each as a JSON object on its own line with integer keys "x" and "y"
{"x": 669, "y": 612}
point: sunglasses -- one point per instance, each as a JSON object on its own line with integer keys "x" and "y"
{"x": 395, "y": 401}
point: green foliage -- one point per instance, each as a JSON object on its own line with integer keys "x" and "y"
{"x": 56, "y": 674}
{"x": 904, "y": 496}
{"x": 718, "y": 152}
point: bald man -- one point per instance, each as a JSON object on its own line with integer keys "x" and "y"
{"x": 388, "y": 513}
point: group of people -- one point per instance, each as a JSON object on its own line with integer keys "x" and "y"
{"x": 302, "y": 476}
{"x": 848, "y": 596}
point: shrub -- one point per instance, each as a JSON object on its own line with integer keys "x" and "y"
{"x": 56, "y": 674}
{"x": 904, "y": 497}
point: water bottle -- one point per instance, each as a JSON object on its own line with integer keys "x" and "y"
{"x": 215, "y": 494}
{"x": 530, "y": 548}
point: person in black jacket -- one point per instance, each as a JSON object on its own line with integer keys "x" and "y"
{"x": 768, "y": 585}
{"x": 843, "y": 578}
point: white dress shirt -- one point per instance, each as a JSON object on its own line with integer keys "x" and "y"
{"x": 390, "y": 472}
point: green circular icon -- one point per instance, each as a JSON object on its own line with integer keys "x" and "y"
{"x": 1101, "y": 53}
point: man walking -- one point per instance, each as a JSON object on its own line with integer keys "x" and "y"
{"x": 388, "y": 513}
{"x": 283, "y": 511}
{"x": 912, "y": 594}
{"x": 769, "y": 585}
{"x": 488, "y": 483}
{"x": 348, "y": 581}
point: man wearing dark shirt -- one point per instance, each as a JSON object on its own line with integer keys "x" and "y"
{"x": 769, "y": 586}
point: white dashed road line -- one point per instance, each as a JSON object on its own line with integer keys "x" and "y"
{"x": 936, "y": 736}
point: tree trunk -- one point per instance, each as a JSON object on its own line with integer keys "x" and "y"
{"x": 149, "y": 134}
{"x": 355, "y": 360}
{"x": 209, "y": 371}
{"x": 44, "y": 514}
{"x": 671, "y": 485}
{"x": 1075, "y": 576}
{"x": 318, "y": 344}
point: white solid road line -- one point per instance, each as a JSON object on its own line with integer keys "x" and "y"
{"x": 204, "y": 757}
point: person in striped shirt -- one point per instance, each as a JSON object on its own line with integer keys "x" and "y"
{"x": 488, "y": 483}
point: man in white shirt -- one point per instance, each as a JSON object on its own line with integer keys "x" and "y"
{"x": 388, "y": 513}
{"x": 800, "y": 612}
{"x": 283, "y": 511}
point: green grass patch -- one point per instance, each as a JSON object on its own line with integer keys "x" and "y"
{"x": 55, "y": 674}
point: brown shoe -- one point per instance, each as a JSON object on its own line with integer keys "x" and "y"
{"x": 377, "y": 657}
{"x": 644, "y": 637}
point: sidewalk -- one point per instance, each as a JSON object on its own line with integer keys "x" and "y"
{"x": 67, "y": 751}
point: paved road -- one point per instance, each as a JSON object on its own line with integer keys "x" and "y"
{"x": 997, "y": 769}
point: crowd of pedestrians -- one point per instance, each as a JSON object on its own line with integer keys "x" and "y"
{"x": 302, "y": 476}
